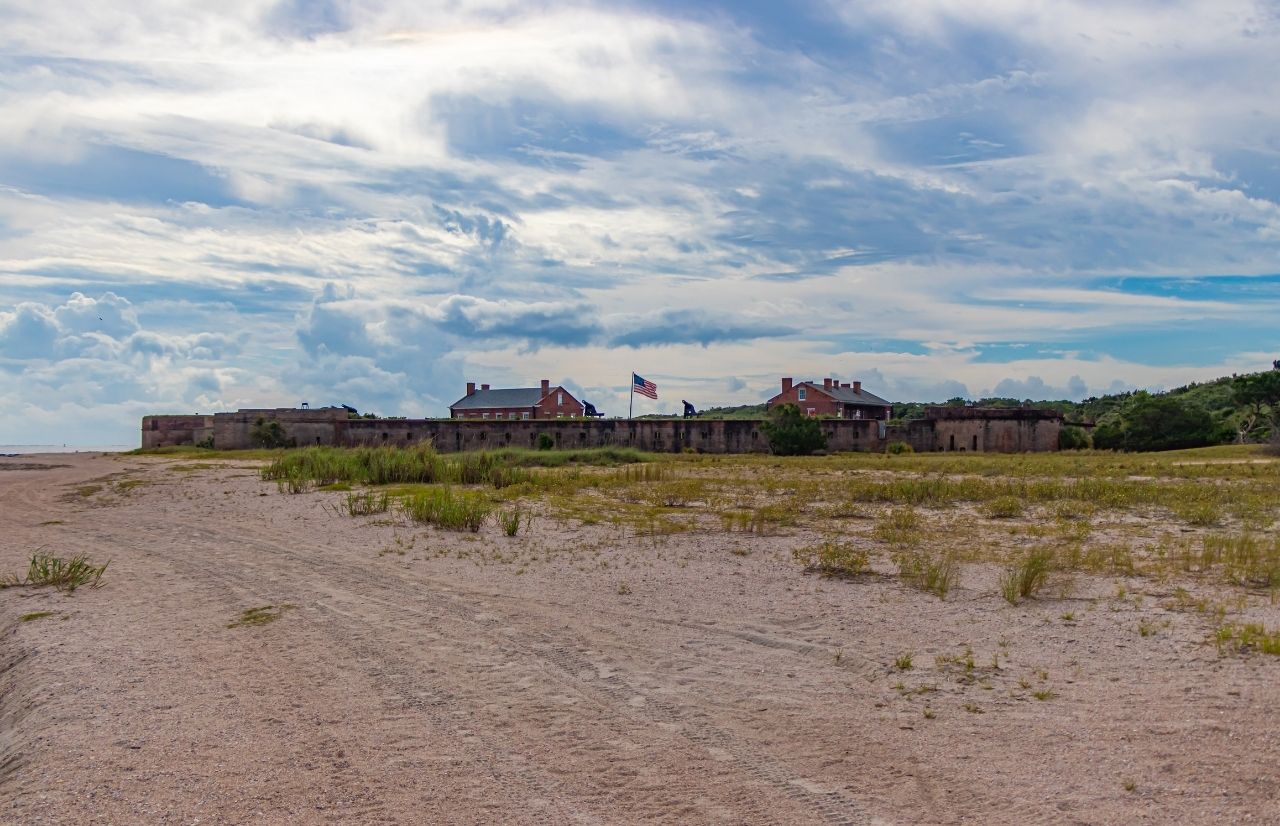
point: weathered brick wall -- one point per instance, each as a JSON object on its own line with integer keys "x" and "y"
{"x": 306, "y": 427}
{"x": 328, "y": 427}
{"x": 998, "y": 435}
{"x": 172, "y": 431}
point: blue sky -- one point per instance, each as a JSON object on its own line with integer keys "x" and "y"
{"x": 255, "y": 203}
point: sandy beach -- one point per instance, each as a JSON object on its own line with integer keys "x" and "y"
{"x": 574, "y": 674}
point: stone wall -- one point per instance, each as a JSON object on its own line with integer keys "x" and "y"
{"x": 328, "y": 426}
{"x": 173, "y": 431}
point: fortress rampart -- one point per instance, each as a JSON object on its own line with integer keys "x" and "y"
{"x": 960, "y": 429}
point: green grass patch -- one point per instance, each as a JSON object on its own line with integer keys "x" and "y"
{"x": 448, "y": 509}
{"x": 37, "y": 615}
{"x": 263, "y": 615}
{"x": 1248, "y": 637}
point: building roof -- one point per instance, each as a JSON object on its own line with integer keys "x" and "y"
{"x": 847, "y": 395}
{"x": 500, "y": 397}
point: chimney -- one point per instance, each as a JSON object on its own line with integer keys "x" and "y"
{"x": 471, "y": 388}
{"x": 826, "y": 384}
{"x": 857, "y": 387}
{"x": 546, "y": 388}
{"x": 786, "y": 385}
{"x": 484, "y": 387}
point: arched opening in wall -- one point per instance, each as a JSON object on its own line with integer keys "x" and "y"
{"x": 506, "y": 437}
{"x": 481, "y": 436}
{"x": 533, "y": 438}
{"x": 408, "y": 437}
{"x": 385, "y": 435}
{"x": 975, "y": 442}
{"x": 953, "y": 442}
{"x": 317, "y": 440}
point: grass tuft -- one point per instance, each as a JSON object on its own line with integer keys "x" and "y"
{"x": 510, "y": 520}
{"x": 1025, "y": 577}
{"x": 929, "y": 571}
{"x": 367, "y": 503}
{"x": 833, "y": 559}
{"x": 65, "y": 575}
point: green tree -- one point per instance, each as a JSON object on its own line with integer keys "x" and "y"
{"x": 1150, "y": 422}
{"x": 791, "y": 433}
{"x": 1258, "y": 398}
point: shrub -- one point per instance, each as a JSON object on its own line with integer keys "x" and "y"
{"x": 833, "y": 559}
{"x": 791, "y": 433}
{"x": 1072, "y": 438}
{"x": 899, "y": 448}
{"x": 545, "y": 442}
{"x": 267, "y": 434}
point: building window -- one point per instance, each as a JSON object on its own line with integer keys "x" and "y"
{"x": 559, "y": 415}
{"x": 800, "y": 394}
{"x": 484, "y": 415}
{"x": 526, "y": 415}
{"x": 813, "y": 411}
{"x": 559, "y": 398}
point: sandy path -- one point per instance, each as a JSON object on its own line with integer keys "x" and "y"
{"x": 422, "y": 688}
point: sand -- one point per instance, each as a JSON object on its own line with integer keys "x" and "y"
{"x": 620, "y": 680}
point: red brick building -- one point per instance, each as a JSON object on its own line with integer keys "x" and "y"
{"x": 516, "y": 403}
{"x": 831, "y": 398}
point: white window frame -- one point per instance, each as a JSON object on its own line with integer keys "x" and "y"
{"x": 484, "y": 415}
{"x": 559, "y": 398}
{"x": 812, "y": 411}
{"x": 526, "y": 414}
{"x": 800, "y": 393}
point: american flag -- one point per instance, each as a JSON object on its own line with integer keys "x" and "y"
{"x": 644, "y": 388}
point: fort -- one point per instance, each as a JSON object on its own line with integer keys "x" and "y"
{"x": 973, "y": 429}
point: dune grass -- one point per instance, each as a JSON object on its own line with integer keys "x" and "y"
{"x": 62, "y": 574}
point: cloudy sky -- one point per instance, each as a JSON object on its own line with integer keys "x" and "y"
{"x": 206, "y": 206}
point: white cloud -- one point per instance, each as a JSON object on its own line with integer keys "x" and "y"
{"x": 509, "y": 187}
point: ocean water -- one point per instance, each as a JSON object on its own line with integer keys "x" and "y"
{"x": 23, "y": 449}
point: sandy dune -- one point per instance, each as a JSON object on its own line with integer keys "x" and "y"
{"x": 594, "y": 678}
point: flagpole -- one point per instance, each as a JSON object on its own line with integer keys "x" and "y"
{"x": 632, "y": 405}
